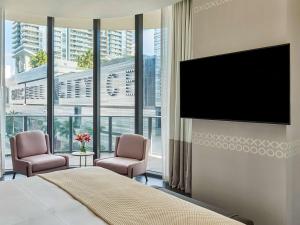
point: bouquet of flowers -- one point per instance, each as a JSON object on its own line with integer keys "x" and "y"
{"x": 83, "y": 138}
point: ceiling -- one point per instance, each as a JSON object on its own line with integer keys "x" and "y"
{"x": 114, "y": 14}
{"x": 84, "y": 9}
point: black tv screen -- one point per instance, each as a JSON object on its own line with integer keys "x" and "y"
{"x": 251, "y": 86}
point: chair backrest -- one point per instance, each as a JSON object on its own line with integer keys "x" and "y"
{"x": 31, "y": 143}
{"x": 132, "y": 146}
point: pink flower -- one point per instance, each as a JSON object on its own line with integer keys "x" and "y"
{"x": 83, "y": 137}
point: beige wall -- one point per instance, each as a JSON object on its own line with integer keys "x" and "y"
{"x": 293, "y": 166}
{"x": 2, "y": 84}
{"x": 248, "y": 167}
{"x": 235, "y": 167}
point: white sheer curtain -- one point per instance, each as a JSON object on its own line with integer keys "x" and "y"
{"x": 166, "y": 44}
{"x": 176, "y": 132}
{"x": 2, "y": 86}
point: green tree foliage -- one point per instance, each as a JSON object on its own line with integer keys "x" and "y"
{"x": 86, "y": 60}
{"x": 40, "y": 58}
{"x": 61, "y": 129}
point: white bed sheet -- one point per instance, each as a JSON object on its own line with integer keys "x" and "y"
{"x": 34, "y": 201}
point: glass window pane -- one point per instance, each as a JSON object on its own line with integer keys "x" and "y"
{"x": 73, "y": 104}
{"x": 117, "y": 86}
{"x": 152, "y": 95}
{"x": 26, "y": 79}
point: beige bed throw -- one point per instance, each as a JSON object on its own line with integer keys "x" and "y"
{"x": 119, "y": 200}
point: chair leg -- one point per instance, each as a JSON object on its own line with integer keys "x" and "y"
{"x": 132, "y": 173}
{"x": 145, "y": 174}
{"x": 14, "y": 175}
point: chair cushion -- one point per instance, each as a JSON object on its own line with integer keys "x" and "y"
{"x": 31, "y": 143}
{"x": 131, "y": 146}
{"x": 45, "y": 162}
{"x": 117, "y": 164}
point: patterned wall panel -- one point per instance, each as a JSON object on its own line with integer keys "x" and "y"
{"x": 261, "y": 147}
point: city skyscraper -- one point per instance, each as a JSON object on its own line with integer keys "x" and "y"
{"x": 27, "y": 39}
{"x": 69, "y": 44}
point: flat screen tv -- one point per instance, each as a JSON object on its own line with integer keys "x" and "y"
{"x": 250, "y": 86}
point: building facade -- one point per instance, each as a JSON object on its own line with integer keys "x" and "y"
{"x": 74, "y": 87}
{"x": 69, "y": 44}
{"x": 27, "y": 39}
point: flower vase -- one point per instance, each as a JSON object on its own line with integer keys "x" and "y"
{"x": 83, "y": 148}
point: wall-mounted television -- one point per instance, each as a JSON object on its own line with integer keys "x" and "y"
{"x": 249, "y": 86}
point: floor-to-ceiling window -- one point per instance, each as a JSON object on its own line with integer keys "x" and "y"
{"x": 73, "y": 87}
{"x": 26, "y": 81}
{"x": 117, "y": 102}
{"x": 152, "y": 88}
{"x": 25, "y": 77}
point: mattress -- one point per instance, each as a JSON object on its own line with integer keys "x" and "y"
{"x": 51, "y": 200}
{"x": 120, "y": 200}
{"x": 35, "y": 201}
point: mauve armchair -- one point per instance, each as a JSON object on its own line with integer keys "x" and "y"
{"x": 131, "y": 156}
{"x": 30, "y": 153}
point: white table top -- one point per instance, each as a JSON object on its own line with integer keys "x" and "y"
{"x": 83, "y": 153}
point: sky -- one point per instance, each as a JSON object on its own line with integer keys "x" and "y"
{"x": 148, "y": 42}
{"x": 9, "y": 64}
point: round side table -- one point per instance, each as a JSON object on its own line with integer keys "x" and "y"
{"x": 83, "y": 154}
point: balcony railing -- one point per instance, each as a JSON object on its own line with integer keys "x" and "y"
{"x": 66, "y": 126}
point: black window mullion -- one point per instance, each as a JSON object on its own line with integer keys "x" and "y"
{"x": 96, "y": 87}
{"x": 50, "y": 80}
{"x": 139, "y": 74}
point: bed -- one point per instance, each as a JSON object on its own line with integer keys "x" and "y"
{"x": 95, "y": 196}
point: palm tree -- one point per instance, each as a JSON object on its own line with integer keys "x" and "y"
{"x": 86, "y": 60}
{"x": 40, "y": 58}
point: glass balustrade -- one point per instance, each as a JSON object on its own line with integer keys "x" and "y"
{"x": 65, "y": 128}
